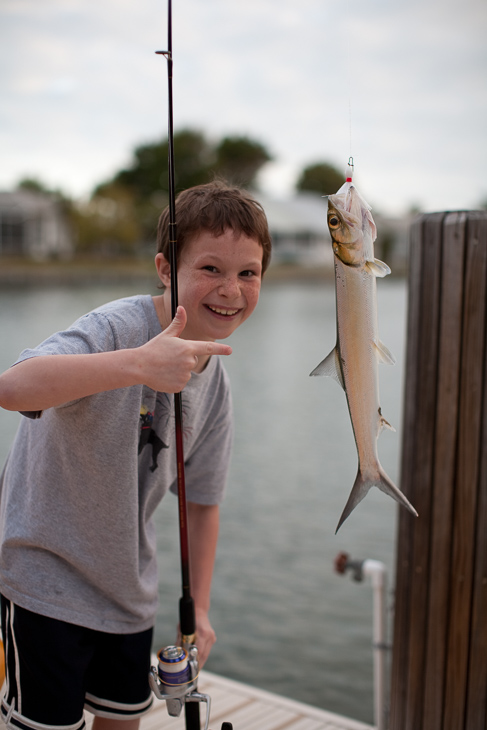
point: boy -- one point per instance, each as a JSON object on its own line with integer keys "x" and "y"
{"x": 87, "y": 469}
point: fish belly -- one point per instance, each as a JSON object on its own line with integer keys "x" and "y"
{"x": 357, "y": 339}
{"x": 357, "y": 333}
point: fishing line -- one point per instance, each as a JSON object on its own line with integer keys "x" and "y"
{"x": 348, "y": 79}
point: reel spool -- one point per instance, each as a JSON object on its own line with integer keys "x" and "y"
{"x": 175, "y": 680}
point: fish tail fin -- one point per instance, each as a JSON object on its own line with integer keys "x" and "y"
{"x": 387, "y": 486}
{"x": 361, "y": 487}
{"x": 359, "y": 490}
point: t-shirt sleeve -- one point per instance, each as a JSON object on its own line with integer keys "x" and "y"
{"x": 91, "y": 333}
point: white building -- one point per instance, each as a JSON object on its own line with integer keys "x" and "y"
{"x": 300, "y": 233}
{"x": 299, "y": 229}
{"x": 32, "y": 224}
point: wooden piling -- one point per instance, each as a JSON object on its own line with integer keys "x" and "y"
{"x": 439, "y": 663}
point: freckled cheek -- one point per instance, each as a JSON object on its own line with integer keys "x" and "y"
{"x": 252, "y": 297}
{"x": 197, "y": 291}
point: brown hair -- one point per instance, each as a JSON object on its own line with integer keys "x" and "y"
{"x": 215, "y": 207}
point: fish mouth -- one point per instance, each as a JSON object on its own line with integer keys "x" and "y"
{"x": 223, "y": 311}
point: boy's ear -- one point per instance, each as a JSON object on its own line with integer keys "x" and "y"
{"x": 163, "y": 269}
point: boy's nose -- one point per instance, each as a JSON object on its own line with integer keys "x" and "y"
{"x": 229, "y": 287}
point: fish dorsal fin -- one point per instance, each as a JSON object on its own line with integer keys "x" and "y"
{"x": 330, "y": 367}
{"x": 377, "y": 268}
{"x": 383, "y": 353}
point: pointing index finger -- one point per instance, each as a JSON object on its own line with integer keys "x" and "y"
{"x": 217, "y": 348}
{"x": 211, "y": 348}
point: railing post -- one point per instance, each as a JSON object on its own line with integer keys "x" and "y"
{"x": 439, "y": 664}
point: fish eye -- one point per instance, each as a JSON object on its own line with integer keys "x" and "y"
{"x": 334, "y": 221}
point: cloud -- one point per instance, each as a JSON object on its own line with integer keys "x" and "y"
{"x": 404, "y": 81}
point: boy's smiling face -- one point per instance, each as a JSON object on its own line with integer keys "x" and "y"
{"x": 219, "y": 280}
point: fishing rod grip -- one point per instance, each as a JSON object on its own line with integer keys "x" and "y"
{"x": 192, "y": 715}
{"x": 187, "y": 621}
{"x": 187, "y": 624}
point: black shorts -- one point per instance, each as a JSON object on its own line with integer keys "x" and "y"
{"x": 56, "y": 669}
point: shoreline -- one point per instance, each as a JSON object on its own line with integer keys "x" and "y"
{"x": 102, "y": 271}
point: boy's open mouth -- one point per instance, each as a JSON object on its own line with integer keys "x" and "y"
{"x": 222, "y": 311}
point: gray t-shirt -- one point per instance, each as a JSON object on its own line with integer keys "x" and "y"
{"x": 81, "y": 482}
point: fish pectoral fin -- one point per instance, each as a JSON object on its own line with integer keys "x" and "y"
{"x": 383, "y": 353}
{"x": 330, "y": 367}
{"x": 384, "y": 423}
{"x": 377, "y": 268}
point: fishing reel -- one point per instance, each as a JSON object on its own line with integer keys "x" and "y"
{"x": 175, "y": 679}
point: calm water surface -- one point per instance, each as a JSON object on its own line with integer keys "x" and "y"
{"x": 285, "y": 621}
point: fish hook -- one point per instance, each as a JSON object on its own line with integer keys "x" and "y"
{"x": 350, "y": 172}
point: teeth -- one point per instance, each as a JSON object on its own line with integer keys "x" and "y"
{"x": 226, "y": 312}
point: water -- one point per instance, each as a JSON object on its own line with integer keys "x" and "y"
{"x": 285, "y": 621}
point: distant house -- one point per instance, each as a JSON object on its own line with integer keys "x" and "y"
{"x": 299, "y": 229}
{"x": 32, "y": 224}
{"x": 300, "y": 233}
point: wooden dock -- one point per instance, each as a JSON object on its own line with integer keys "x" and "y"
{"x": 248, "y": 708}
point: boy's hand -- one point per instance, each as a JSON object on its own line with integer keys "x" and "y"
{"x": 168, "y": 360}
{"x": 164, "y": 363}
{"x": 205, "y": 636}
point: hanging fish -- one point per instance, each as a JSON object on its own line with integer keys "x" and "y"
{"x": 353, "y": 363}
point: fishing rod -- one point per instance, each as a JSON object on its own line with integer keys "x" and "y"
{"x": 176, "y": 677}
{"x": 186, "y": 604}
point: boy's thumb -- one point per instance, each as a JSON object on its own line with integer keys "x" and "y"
{"x": 178, "y": 323}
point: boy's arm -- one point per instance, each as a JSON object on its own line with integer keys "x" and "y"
{"x": 164, "y": 364}
{"x": 203, "y": 523}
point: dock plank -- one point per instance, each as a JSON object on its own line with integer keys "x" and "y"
{"x": 247, "y": 708}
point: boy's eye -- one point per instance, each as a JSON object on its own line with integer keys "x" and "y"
{"x": 247, "y": 273}
{"x": 213, "y": 269}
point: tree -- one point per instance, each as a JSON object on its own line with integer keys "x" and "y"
{"x": 145, "y": 181}
{"x": 33, "y": 185}
{"x": 236, "y": 159}
{"x": 148, "y": 173}
{"x": 108, "y": 225}
{"x": 239, "y": 159}
{"x": 320, "y": 177}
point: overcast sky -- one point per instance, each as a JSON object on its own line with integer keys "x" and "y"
{"x": 401, "y": 85}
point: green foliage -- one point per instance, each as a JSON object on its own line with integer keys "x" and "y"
{"x": 148, "y": 174}
{"x": 108, "y": 224}
{"x": 236, "y": 159}
{"x": 320, "y": 178}
{"x": 33, "y": 185}
{"x": 123, "y": 212}
{"x": 121, "y": 216}
{"x": 239, "y": 159}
